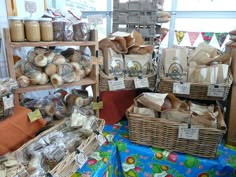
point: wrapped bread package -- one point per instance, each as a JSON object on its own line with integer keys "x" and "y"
{"x": 138, "y": 65}
{"x": 175, "y": 63}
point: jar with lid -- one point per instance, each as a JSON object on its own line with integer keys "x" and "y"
{"x": 16, "y": 27}
{"x": 46, "y": 29}
{"x": 32, "y": 29}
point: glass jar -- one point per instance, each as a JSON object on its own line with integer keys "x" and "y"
{"x": 46, "y": 29}
{"x": 16, "y": 26}
{"x": 32, "y": 29}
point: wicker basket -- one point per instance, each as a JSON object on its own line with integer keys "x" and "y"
{"x": 162, "y": 133}
{"x": 197, "y": 91}
{"x": 128, "y": 81}
{"x": 68, "y": 165}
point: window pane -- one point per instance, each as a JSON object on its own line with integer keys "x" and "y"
{"x": 206, "y": 5}
{"x": 88, "y": 5}
{"x": 212, "y": 25}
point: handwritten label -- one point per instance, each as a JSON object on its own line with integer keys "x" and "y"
{"x": 8, "y": 101}
{"x": 141, "y": 83}
{"x": 81, "y": 159}
{"x": 215, "y": 91}
{"x": 97, "y": 105}
{"x": 30, "y": 6}
{"x": 181, "y": 88}
{"x": 95, "y": 19}
{"x": 188, "y": 133}
{"x": 33, "y": 116}
{"x": 116, "y": 84}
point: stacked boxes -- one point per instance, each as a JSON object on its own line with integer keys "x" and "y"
{"x": 139, "y": 15}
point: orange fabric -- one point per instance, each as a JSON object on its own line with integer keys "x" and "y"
{"x": 17, "y": 130}
{"x": 115, "y": 104}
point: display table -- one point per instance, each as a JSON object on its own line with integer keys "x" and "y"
{"x": 135, "y": 160}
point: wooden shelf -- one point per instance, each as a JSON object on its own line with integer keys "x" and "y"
{"x": 31, "y": 88}
{"x": 91, "y": 80}
{"x": 52, "y": 43}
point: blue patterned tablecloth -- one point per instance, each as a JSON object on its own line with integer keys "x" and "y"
{"x": 120, "y": 157}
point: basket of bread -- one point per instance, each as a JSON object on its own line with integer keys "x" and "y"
{"x": 57, "y": 151}
{"x": 164, "y": 121}
{"x": 202, "y": 73}
{"x": 127, "y": 59}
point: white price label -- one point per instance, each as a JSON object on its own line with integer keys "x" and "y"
{"x": 181, "y": 88}
{"x": 215, "y": 91}
{"x": 8, "y": 102}
{"x": 81, "y": 159}
{"x": 116, "y": 84}
{"x": 101, "y": 140}
{"x": 188, "y": 133}
{"x": 141, "y": 83}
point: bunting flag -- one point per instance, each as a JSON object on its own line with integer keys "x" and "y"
{"x": 193, "y": 37}
{"x": 221, "y": 38}
{"x": 163, "y": 36}
{"x": 207, "y": 36}
{"x": 179, "y": 36}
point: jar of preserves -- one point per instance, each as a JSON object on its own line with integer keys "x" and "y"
{"x": 32, "y": 29}
{"x": 16, "y": 27}
{"x": 46, "y": 29}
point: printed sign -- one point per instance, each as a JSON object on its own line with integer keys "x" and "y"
{"x": 188, "y": 133}
{"x": 181, "y": 88}
{"x": 215, "y": 91}
{"x": 141, "y": 83}
{"x": 116, "y": 84}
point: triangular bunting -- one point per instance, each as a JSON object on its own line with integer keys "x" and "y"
{"x": 163, "y": 36}
{"x": 193, "y": 37}
{"x": 179, "y": 36}
{"x": 207, "y": 36}
{"x": 221, "y": 38}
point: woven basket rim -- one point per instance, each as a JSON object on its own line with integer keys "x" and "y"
{"x": 130, "y": 115}
{"x": 228, "y": 82}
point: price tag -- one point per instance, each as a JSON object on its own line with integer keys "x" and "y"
{"x": 97, "y": 105}
{"x": 33, "y": 116}
{"x": 116, "y": 84}
{"x": 181, "y": 88}
{"x": 101, "y": 140}
{"x": 215, "y": 91}
{"x": 81, "y": 159}
{"x": 141, "y": 83}
{"x": 8, "y": 102}
{"x": 188, "y": 133}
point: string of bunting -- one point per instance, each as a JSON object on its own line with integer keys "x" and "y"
{"x": 207, "y": 37}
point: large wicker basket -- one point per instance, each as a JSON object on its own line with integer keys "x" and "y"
{"x": 197, "y": 90}
{"x": 68, "y": 165}
{"x": 128, "y": 81}
{"x": 163, "y": 133}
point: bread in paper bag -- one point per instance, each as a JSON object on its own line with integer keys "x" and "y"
{"x": 175, "y": 63}
{"x": 138, "y": 65}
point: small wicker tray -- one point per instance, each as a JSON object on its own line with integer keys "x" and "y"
{"x": 68, "y": 165}
{"x": 162, "y": 133}
{"x": 129, "y": 81}
{"x": 197, "y": 91}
